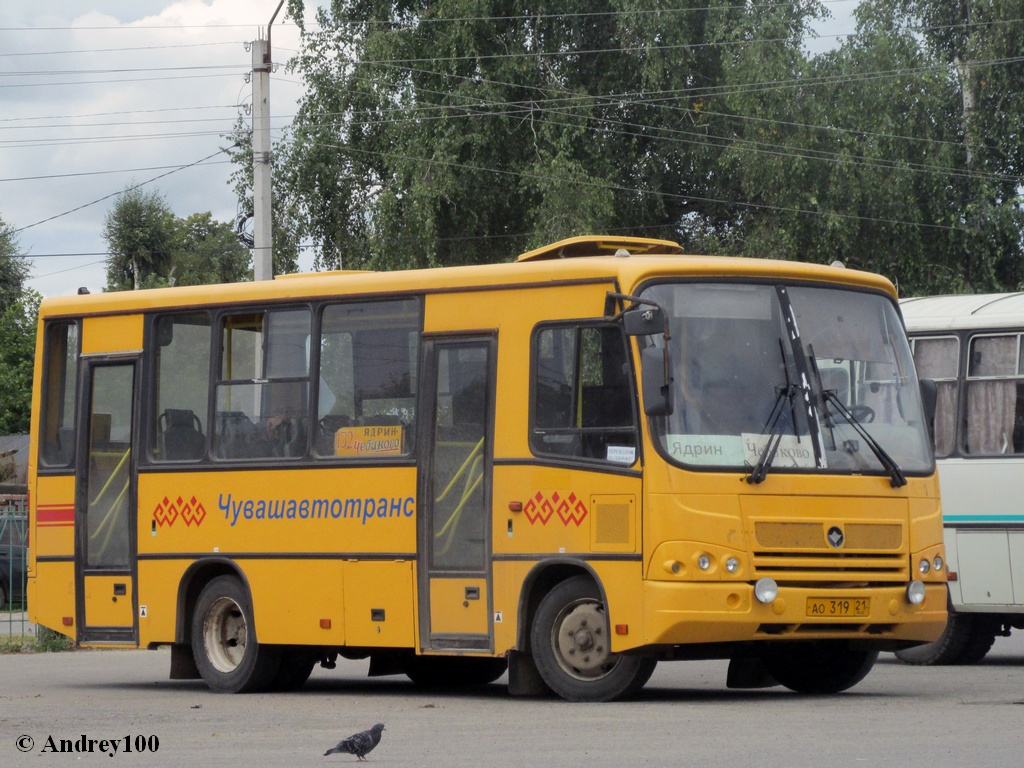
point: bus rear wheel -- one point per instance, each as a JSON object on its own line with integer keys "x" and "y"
{"x": 224, "y": 644}
{"x": 967, "y": 639}
{"x": 828, "y": 666}
{"x": 571, "y": 647}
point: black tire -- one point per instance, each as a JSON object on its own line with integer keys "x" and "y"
{"x": 224, "y": 644}
{"x": 981, "y": 639}
{"x": 948, "y": 649}
{"x": 453, "y": 671}
{"x": 827, "y": 666}
{"x": 571, "y": 646}
{"x": 297, "y": 663}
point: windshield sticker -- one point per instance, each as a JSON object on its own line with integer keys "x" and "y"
{"x": 791, "y": 452}
{"x": 710, "y": 450}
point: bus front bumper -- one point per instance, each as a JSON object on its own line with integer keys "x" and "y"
{"x": 714, "y": 612}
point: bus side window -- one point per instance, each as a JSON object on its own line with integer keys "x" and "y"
{"x": 938, "y": 359}
{"x": 582, "y": 397}
{"x": 369, "y": 357}
{"x": 60, "y": 384}
{"x": 262, "y": 389}
{"x": 182, "y": 373}
{"x": 995, "y": 394}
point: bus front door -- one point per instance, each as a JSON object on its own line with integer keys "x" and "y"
{"x": 105, "y": 505}
{"x": 455, "y": 491}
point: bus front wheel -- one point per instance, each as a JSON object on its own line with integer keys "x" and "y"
{"x": 224, "y": 643}
{"x": 571, "y": 647}
{"x": 818, "y": 667}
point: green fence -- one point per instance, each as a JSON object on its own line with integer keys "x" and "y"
{"x": 13, "y": 562}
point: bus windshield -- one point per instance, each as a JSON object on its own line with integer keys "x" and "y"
{"x": 823, "y": 375}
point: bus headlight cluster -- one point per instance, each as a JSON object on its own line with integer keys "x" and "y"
{"x": 703, "y": 562}
{"x": 937, "y": 563}
{"x": 924, "y": 567}
{"x": 732, "y": 565}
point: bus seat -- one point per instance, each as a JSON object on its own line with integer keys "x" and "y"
{"x": 288, "y": 438}
{"x": 328, "y": 427}
{"x": 181, "y": 435}
{"x": 235, "y": 437}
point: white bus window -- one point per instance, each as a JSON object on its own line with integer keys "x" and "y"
{"x": 995, "y": 397}
{"x": 938, "y": 359}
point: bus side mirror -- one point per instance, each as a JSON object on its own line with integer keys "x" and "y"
{"x": 655, "y": 367}
{"x": 929, "y": 400}
{"x": 643, "y": 321}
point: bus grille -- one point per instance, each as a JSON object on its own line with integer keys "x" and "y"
{"x": 800, "y": 551}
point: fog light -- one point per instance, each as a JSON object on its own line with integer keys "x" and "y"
{"x": 937, "y": 563}
{"x": 924, "y": 566}
{"x": 766, "y": 590}
{"x": 915, "y": 592}
{"x": 732, "y": 565}
{"x": 703, "y": 562}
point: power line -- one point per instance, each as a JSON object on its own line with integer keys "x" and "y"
{"x": 115, "y": 194}
{"x": 103, "y": 173}
{"x": 120, "y": 50}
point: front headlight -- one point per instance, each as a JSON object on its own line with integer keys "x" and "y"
{"x": 766, "y": 590}
{"x": 915, "y": 592}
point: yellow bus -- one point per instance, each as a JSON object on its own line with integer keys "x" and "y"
{"x": 602, "y": 455}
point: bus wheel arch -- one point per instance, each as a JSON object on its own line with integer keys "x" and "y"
{"x": 224, "y": 641}
{"x": 570, "y": 643}
{"x": 195, "y": 578}
{"x": 541, "y": 579}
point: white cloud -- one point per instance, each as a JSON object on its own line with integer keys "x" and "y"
{"x": 121, "y": 85}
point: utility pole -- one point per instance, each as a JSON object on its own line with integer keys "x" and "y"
{"x": 263, "y": 253}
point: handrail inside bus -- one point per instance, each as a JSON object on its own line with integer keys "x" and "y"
{"x": 455, "y": 478}
{"x": 106, "y": 527}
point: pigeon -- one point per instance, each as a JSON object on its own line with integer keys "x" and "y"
{"x": 360, "y": 743}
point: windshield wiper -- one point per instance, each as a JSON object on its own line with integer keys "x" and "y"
{"x": 896, "y": 477}
{"x": 774, "y": 427}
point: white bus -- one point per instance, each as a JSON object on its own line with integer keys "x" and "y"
{"x": 971, "y": 347}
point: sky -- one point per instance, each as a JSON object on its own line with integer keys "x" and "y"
{"x": 97, "y": 95}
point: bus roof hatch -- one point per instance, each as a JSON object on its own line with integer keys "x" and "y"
{"x": 600, "y": 246}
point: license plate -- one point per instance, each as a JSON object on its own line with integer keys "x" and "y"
{"x": 838, "y": 606}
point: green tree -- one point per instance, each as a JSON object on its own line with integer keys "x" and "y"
{"x": 17, "y": 358}
{"x": 140, "y": 235}
{"x": 19, "y": 308}
{"x": 150, "y": 247}
{"x": 13, "y": 268}
{"x": 868, "y": 155}
{"x": 208, "y": 251}
{"x": 460, "y": 131}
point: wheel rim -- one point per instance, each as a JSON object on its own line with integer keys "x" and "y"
{"x": 580, "y": 641}
{"x": 225, "y": 634}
